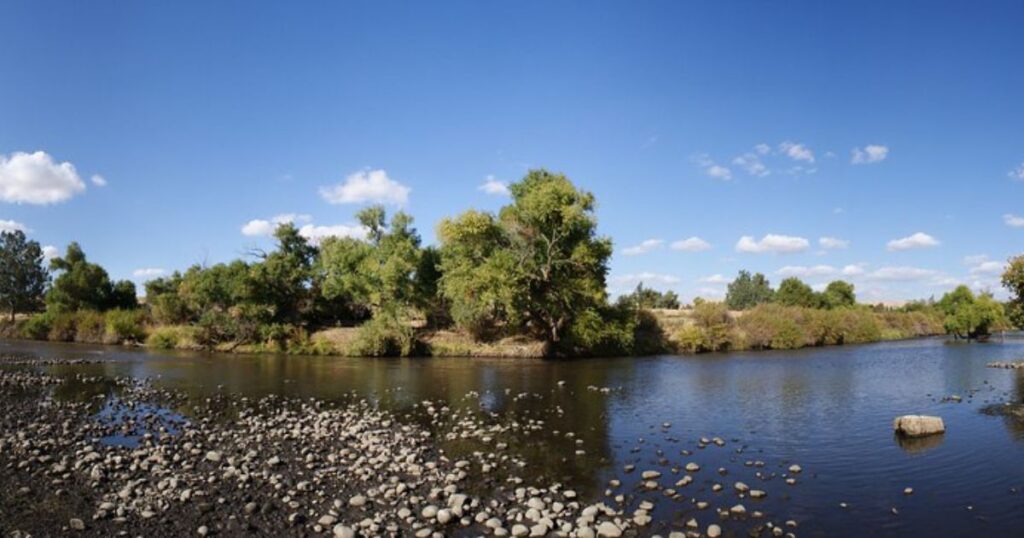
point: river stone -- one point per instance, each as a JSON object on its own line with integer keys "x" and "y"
{"x": 357, "y": 501}
{"x": 609, "y": 530}
{"x": 77, "y": 524}
{"x": 341, "y": 531}
{"x": 714, "y": 531}
{"x": 918, "y": 425}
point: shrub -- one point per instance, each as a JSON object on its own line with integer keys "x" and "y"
{"x": 126, "y": 325}
{"x": 62, "y": 327}
{"x": 384, "y": 336}
{"x": 215, "y": 327}
{"x": 602, "y": 333}
{"x": 37, "y": 327}
{"x": 90, "y": 327}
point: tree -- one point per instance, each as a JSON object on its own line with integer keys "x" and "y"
{"x": 1013, "y": 280}
{"x": 282, "y": 279}
{"x": 793, "y": 292}
{"x": 970, "y": 317}
{"x": 379, "y": 272}
{"x": 86, "y": 286}
{"x": 23, "y": 279}
{"x": 839, "y": 294}
{"x": 649, "y": 298}
{"x": 538, "y": 266}
{"x": 747, "y": 291}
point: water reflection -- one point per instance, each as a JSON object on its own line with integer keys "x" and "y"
{"x": 830, "y": 410}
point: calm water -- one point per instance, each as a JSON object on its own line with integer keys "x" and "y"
{"x": 830, "y": 410}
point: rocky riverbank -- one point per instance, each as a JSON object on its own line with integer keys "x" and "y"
{"x": 136, "y": 459}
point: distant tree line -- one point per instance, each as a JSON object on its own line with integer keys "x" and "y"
{"x": 536, "y": 268}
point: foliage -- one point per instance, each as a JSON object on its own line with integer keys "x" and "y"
{"x": 283, "y": 279}
{"x": 968, "y": 316}
{"x": 794, "y": 292}
{"x": 23, "y": 279}
{"x": 748, "y": 291}
{"x": 538, "y": 267}
{"x": 90, "y": 326}
{"x": 38, "y": 326}
{"x": 643, "y": 297}
{"x": 126, "y": 325}
{"x": 1013, "y": 280}
{"x": 839, "y": 294}
{"x": 386, "y": 335}
{"x": 86, "y": 286}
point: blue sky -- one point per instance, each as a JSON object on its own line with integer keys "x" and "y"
{"x": 894, "y": 132}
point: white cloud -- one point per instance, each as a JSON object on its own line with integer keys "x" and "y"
{"x": 98, "y": 180}
{"x": 148, "y": 272}
{"x": 316, "y": 234}
{"x": 981, "y": 265}
{"x": 1013, "y": 221}
{"x": 751, "y": 163}
{"x": 492, "y": 185}
{"x": 366, "y": 186}
{"x": 917, "y": 240}
{"x": 719, "y": 172}
{"x": 714, "y": 279}
{"x": 807, "y": 272}
{"x": 264, "y": 227}
{"x": 1017, "y": 173}
{"x": 49, "y": 252}
{"x": 780, "y": 244}
{"x": 797, "y": 152}
{"x": 34, "y": 178}
{"x": 853, "y": 269}
{"x": 901, "y": 273}
{"x": 691, "y": 244}
{"x": 645, "y": 277}
{"x": 644, "y": 247}
{"x": 872, "y": 153}
{"x": 832, "y": 242}
{"x": 10, "y": 226}
{"x": 763, "y": 149}
{"x": 711, "y": 168}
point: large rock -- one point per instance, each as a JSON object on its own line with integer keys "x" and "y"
{"x": 918, "y": 425}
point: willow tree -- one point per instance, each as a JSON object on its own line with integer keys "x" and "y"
{"x": 538, "y": 266}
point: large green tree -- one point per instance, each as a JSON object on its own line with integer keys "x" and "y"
{"x": 643, "y": 297}
{"x": 748, "y": 291}
{"x": 968, "y": 316}
{"x": 794, "y": 292}
{"x": 81, "y": 285}
{"x": 380, "y": 272}
{"x": 538, "y": 266}
{"x": 1013, "y": 281}
{"x": 839, "y": 294}
{"x": 282, "y": 279}
{"x": 23, "y": 278}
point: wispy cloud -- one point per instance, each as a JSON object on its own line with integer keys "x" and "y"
{"x": 797, "y": 152}
{"x": 1017, "y": 173}
{"x": 266, "y": 227}
{"x": 11, "y": 225}
{"x": 830, "y": 243}
{"x": 643, "y": 248}
{"x": 915, "y": 241}
{"x": 492, "y": 185}
{"x": 772, "y": 243}
{"x": 1013, "y": 221}
{"x": 872, "y": 153}
{"x": 148, "y": 272}
{"x": 645, "y": 277}
{"x": 691, "y": 244}
{"x": 711, "y": 168}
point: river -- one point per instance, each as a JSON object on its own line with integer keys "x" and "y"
{"x": 828, "y": 409}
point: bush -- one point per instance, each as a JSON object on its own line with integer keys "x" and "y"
{"x": 601, "y": 333}
{"x": 90, "y": 327}
{"x": 384, "y": 336}
{"x": 215, "y": 327}
{"x": 172, "y": 337}
{"x": 126, "y": 325}
{"x": 37, "y": 327}
{"x": 62, "y": 327}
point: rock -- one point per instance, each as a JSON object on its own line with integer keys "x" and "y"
{"x": 758, "y": 494}
{"x": 214, "y": 456}
{"x": 203, "y": 530}
{"x": 795, "y": 469}
{"x": 918, "y": 425}
{"x": 327, "y": 520}
{"x": 609, "y": 530}
{"x": 77, "y": 524}
{"x": 429, "y": 512}
{"x": 650, "y": 475}
{"x": 739, "y": 510}
{"x": 444, "y": 516}
{"x": 357, "y": 501}
{"x": 714, "y": 531}
{"x": 520, "y": 530}
{"x": 692, "y": 467}
{"x": 741, "y": 487}
{"x": 341, "y": 531}
{"x": 908, "y": 491}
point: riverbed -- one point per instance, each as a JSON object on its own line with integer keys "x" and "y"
{"x": 595, "y": 421}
